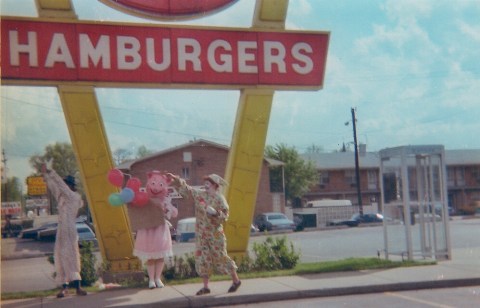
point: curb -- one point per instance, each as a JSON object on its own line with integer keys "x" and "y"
{"x": 212, "y": 301}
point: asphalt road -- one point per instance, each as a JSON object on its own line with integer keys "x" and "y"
{"x": 465, "y": 297}
{"x": 319, "y": 245}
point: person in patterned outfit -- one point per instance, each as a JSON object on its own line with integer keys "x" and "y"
{"x": 66, "y": 253}
{"x": 211, "y": 211}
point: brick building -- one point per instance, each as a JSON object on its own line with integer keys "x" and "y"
{"x": 192, "y": 161}
{"x": 338, "y": 181}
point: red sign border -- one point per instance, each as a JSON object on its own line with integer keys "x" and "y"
{"x": 22, "y": 81}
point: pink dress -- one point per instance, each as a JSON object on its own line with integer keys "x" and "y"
{"x": 155, "y": 242}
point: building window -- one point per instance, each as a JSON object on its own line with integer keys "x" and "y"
{"x": 460, "y": 176}
{"x": 451, "y": 177}
{"x": 186, "y": 173}
{"x": 324, "y": 179}
{"x": 350, "y": 177}
{"x": 372, "y": 179}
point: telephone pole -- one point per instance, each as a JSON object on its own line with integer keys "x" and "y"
{"x": 357, "y": 171}
{"x": 5, "y": 179}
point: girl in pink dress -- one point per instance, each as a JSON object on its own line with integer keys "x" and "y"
{"x": 153, "y": 242}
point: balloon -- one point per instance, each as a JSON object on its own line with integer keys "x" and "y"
{"x": 127, "y": 195}
{"x": 134, "y": 184}
{"x": 115, "y": 177}
{"x": 115, "y": 199}
{"x": 141, "y": 199}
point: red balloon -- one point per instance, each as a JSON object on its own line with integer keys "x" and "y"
{"x": 134, "y": 184}
{"x": 115, "y": 177}
{"x": 141, "y": 199}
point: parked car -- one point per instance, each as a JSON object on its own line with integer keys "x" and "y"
{"x": 85, "y": 233}
{"x": 33, "y": 232}
{"x": 273, "y": 221}
{"x": 357, "y": 219}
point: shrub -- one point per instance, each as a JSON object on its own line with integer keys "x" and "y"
{"x": 274, "y": 254}
{"x": 87, "y": 260}
{"x": 182, "y": 268}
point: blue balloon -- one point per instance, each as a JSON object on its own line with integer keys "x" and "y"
{"x": 115, "y": 199}
{"x": 127, "y": 195}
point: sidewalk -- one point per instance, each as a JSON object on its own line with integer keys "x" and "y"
{"x": 463, "y": 270}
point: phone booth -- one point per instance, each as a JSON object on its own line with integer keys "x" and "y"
{"x": 414, "y": 202}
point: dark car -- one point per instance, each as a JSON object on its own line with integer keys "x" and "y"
{"x": 357, "y": 219}
{"x": 33, "y": 232}
{"x": 85, "y": 234}
{"x": 273, "y": 221}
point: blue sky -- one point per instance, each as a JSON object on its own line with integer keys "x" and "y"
{"x": 409, "y": 67}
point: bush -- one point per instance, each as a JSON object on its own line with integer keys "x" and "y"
{"x": 274, "y": 254}
{"x": 87, "y": 260}
{"x": 182, "y": 268}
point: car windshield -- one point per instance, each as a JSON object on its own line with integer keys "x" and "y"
{"x": 276, "y": 216}
{"x": 83, "y": 230}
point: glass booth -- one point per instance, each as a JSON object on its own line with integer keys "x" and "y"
{"x": 414, "y": 202}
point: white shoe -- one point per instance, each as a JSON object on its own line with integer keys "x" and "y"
{"x": 159, "y": 283}
{"x": 151, "y": 284}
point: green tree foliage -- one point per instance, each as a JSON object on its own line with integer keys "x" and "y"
{"x": 64, "y": 163}
{"x": 12, "y": 190}
{"x": 300, "y": 175}
{"x": 142, "y": 151}
{"x": 64, "y": 160}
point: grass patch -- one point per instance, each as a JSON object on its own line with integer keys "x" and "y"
{"x": 350, "y": 264}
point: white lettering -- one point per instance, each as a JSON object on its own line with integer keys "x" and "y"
{"x": 128, "y": 57}
{"x": 100, "y": 52}
{"x": 270, "y": 57}
{"x": 59, "y": 52}
{"x": 297, "y": 54}
{"x": 244, "y": 57}
{"x": 184, "y": 46}
{"x": 226, "y": 64}
{"x": 151, "y": 55}
{"x": 16, "y": 48}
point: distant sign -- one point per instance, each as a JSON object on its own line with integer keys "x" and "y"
{"x": 11, "y": 208}
{"x": 37, "y": 203}
{"x": 158, "y": 56}
{"x": 36, "y": 186}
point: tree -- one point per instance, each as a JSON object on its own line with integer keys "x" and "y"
{"x": 314, "y": 149}
{"x": 121, "y": 156}
{"x": 142, "y": 151}
{"x": 12, "y": 190}
{"x": 300, "y": 175}
{"x": 64, "y": 161}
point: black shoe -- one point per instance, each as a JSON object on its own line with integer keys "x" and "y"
{"x": 234, "y": 286}
{"x": 203, "y": 291}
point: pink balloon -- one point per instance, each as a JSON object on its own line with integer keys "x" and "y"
{"x": 115, "y": 177}
{"x": 141, "y": 199}
{"x": 134, "y": 184}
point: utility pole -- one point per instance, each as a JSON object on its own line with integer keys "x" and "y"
{"x": 4, "y": 161}
{"x": 357, "y": 171}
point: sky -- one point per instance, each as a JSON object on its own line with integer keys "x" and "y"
{"x": 410, "y": 69}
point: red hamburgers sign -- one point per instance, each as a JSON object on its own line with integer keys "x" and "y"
{"x": 161, "y": 56}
